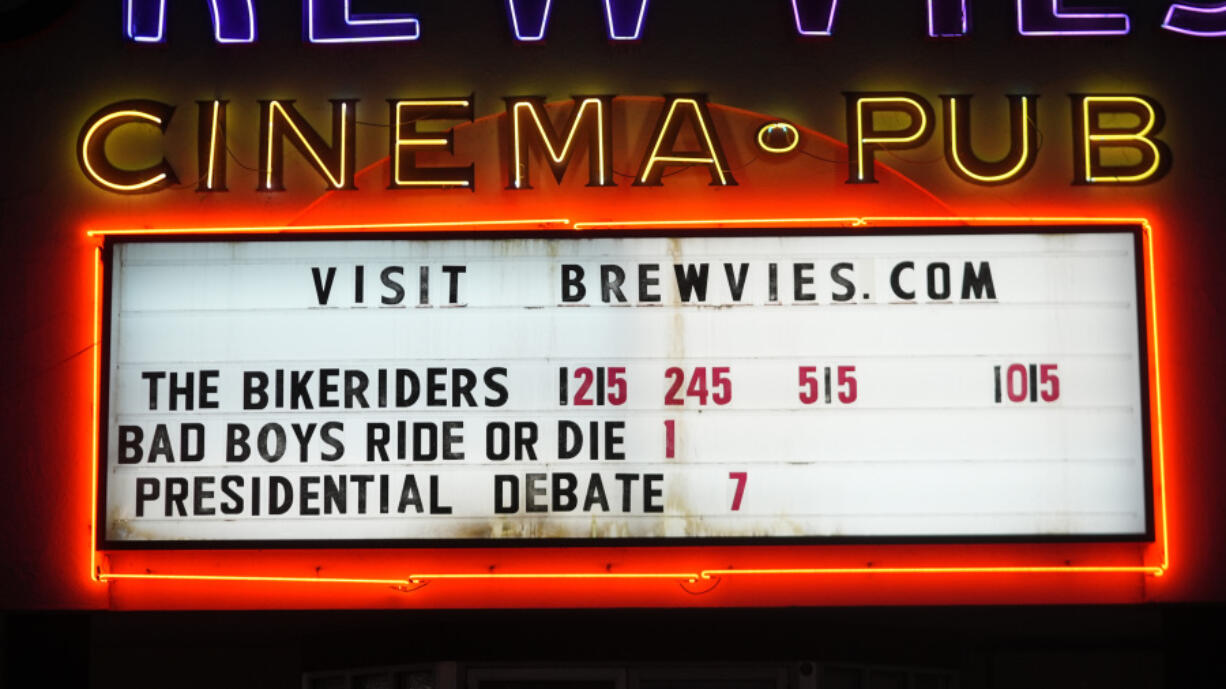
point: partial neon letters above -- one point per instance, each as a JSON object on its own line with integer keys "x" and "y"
{"x": 1049, "y": 18}
{"x": 332, "y": 21}
{"x": 1196, "y": 20}
{"x": 529, "y": 18}
{"x": 233, "y": 20}
{"x": 91, "y": 147}
{"x": 945, "y": 17}
{"x": 948, "y": 18}
{"x": 814, "y": 17}
{"x": 623, "y": 19}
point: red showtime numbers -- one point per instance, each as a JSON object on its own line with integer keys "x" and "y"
{"x": 840, "y": 379}
{"x": 715, "y": 388}
{"x": 741, "y": 478}
{"x": 1027, "y": 383}
{"x": 593, "y": 386}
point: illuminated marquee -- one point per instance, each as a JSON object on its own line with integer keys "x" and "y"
{"x": 876, "y": 121}
{"x": 687, "y": 419}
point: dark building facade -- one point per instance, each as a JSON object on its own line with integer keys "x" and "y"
{"x": 938, "y": 145}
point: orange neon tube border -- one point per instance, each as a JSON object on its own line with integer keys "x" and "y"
{"x": 865, "y": 221}
{"x": 96, "y": 410}
{"x": 454, "y": 225}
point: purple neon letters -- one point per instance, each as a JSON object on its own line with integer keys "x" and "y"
{"x": 816, "y": 17}
{"x": 332, "y": 21}
{"x": 1049, "y": 18}
{"x": 327, "y": 21}
{"x": 144, "y": 21}
{"x": 1197, "y": 20}
{"x": 529, "y": 18}
{"x": 948, "y": 18}
{"x": 623, "y": 19}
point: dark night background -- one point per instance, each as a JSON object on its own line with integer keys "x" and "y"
{"x": 63, "y": 60}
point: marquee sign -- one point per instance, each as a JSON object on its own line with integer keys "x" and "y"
{"x": 975, "y": 384}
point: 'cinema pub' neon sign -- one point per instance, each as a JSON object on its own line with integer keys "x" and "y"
{"x": 1100, "y": 122}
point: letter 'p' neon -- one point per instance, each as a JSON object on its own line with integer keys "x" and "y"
{"x": 864, "y": 137}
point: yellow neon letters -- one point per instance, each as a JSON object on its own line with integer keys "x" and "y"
{"x": 211, "y": 145}
{"x": 1092, "y": 137}
{"x": 863, "y": 136}
{"x": 662, "y": 154}
{"x": 406, "y": 142}
{"x": 591, "y": 115}
{"x": 280, "y": 120}
{"x": 1115, "y": 141}
{"x": 91, "y": 148}
{"x": 778, "y": 138}
{"x": 1023, "y": 142}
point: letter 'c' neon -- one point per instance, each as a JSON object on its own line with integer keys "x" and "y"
{"x": 91, "y": 147}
